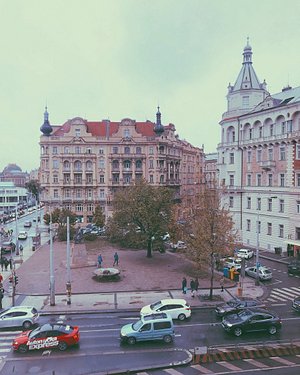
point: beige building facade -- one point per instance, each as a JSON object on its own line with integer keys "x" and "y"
{"x": 83, "y": 163}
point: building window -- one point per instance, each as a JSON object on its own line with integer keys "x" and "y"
{"x": 259, "y": 153}
{"x": 151, "y": 164}
{"x": 115, "y": 150}
{"x": 127, "y": 164}
{"x": 66, "y": 178}
{"x": 89, "y": 165}
{"x": 115, "y": 165}
{"x": 55, "y": 193}
{"x": 55, "y": 164}
{"x": 231, "y": 180}
{"x": 282, "y": 153}
{"x": 245, "y": 101}
{"x": 67, "y": 165}
{"x": 89, "y": 178}
{"x": 90, "y": 207}
{"x": 231, "y": 201}
{"x": 233, "y": 136}
{"x": 88, "y": 151}
{"x": 102, "y": 194}
{"x": 127, "y": 150}
{"x": 78, "y": 193}
{"x": 248, "y": 227}
{"x": 126, "y": 133}
{"x": 151, "y": 150}
{"x": 281, "y": 179}
{"x": 77, "y": 132}
{"x": 281, "y": 230}
{"x": 289, "y": 125}
{"x": 101, "y": 163}
{"x": 297, "y": 230}
{"x": 66, "y": 150}
{"x": 151, "y": 179}
{"x": 127, "y": 179}
{"x": 55, "y": 179}
{"x": 249, "y": 179}
{"x": 270, "y": 179}
{"x": 298, "y": 207}
{"x": 260, "y": 132}
{"x": 271, "y": 130}
{"x": 269, "y": 229}
{"x": 269, "y": 204}
{"x": 258, "y": 204}
{"x": 283, "y": 127}
{"x": 298, "y": 151}
{"x": 77, "y": 165}
{"x": 258, "y": 179}
{"x": 54, "y": 150}
{"x": 249, "y": 154}
{"x": 281, "y": 205}
{"x": 138, "y": 150}
{"x": 77, "y": 150}
{"x": 101, "y": 179}
{"x": 270, "y": 153}
{"x": 249, "y": 203}
{"x": 231, "y": 158}
{"x": 78, "y": 178}
{"x": 138, "y": 164}
{"x": 90, "y": 193}
{"x": 250, "y": 133}
{"x": 67, "y": 193}
{"x": 79, "y": 207}
{"x": 298, "y": 179}
{"x": 101, "y": 151}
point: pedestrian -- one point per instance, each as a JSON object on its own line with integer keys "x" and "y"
{"x": 1, "y": 296}
{"x": 1, "y": 278}
{"x": 2, "y": 263}
{"x": 192, "y": 286}
{"x": 21, "y": 250}
{"x": 10, "y": 263}
{"x": 222, "y": 283}
{"x": 6, "y": 263}
{"x": 184, "y": 285}
{"x": 196, "y": 284}
{"x": 116, "y": 259}
{"x": 100, "y": 260}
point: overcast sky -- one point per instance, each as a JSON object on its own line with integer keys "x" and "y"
{"x": 113, "y": 59}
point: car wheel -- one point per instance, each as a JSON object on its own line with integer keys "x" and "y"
{"x": 167, "y": 339}
{"x": 131, "y": 340}
{"x": 181, "y": 317}
{"x": 272, "y": 330}
{"x": 23, "y": 348}
{"x": 27, "y": 325}
{"x": 62, "y": 346}
{"x": 238, "y": 332}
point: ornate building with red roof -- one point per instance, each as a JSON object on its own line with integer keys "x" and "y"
{"x": 84, "y": 162}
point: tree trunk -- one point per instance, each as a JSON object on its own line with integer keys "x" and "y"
{"x": 149, "y": 248}
{"x": 211, "y": 277}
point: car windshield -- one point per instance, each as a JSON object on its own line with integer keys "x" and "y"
{"x": 34, "y": 332}
{"x": 155, "y": 305}
{"x": 266, "y": 271}
{"x": 244, "y": 315}
{"x": 137, "y": 325}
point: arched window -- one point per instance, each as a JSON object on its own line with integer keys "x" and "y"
{"x": 89, "y": 165}
{"x": 66, "y": 165}
{"x": 138, "y": 164}
{"x": 127, "y": 150}
{"x": 77, "y": 165}
{"x": 127, "y": 164}
{"x": 138, "y": 150}
{"x": 115, "y": 164}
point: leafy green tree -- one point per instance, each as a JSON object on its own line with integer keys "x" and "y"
{"x": 209, "y": 232}
{"x": 142, "y": 210}
{"x": 59, "y": 216}
{"x": 99, "y": 217}
{"x": 34, "y": 187}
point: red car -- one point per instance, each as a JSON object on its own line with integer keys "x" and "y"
{"x": 47, "y": 336}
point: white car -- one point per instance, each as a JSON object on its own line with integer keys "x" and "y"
{"x": 178, "y": 245}
{"x": 176, "y": 308}
{"x": 22, "y": 235}
{"x": 233, "y": 262}
{"x": 264, "y": 273}
{"x": 245, "y": 253}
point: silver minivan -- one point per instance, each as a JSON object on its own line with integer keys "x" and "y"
{"x": 150, "y": 327}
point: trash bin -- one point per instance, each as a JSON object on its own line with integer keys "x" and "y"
{"x": 278, "y": 250}
{"x": 226, "y": 272}
{"x": 33, "y": 248}
{"x": 236, "y": 276}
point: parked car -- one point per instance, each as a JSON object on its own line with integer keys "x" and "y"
{"x": 176, "y": 308}
{"x": 252, "y": 321}
{"x": 233, "y": 262}
{"x": 245, "y": 253}
{"x": 149, "y": 327}
{"x": 263, "y": 272}
{"x": 47, "y": 336}
{"x": 19, "y": 316}
{"x": 178, "y": 245}
{"x": 22, "y": 235}
{"x": 27, "y": 224}
{"x": 296, "y": 304}
{"x": 236, "y": 305}
{"x": 8, "y": 247}
{"x": 294, "y": 267}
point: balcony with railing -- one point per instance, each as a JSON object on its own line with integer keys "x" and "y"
{"x": 267, "y": 164}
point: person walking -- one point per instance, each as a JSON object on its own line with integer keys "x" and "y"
{"x": 2, "y": 263}
{"x": 116, "y": 259}
{"x": 1, "y": 279}
{"x": 184, "y": 285}
{"x": 10, "y": 263}
{"x": 1, "y": 296}
{"x": 21, "y": 250}
{"x": 196, "y": 284}
{"x": 6, "y": 263}
{"x": 100, "y": 260}
{"x": 222, "y": 283}
{"x": 192, "y": 286}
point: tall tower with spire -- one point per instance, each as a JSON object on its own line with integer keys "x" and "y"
{"x": 158, "y": 128}
{"x": 247, "y": 91}
{"x": 46, "y": 128}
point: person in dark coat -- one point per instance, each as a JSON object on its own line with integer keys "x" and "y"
{"x": 1, "y": 296}
{"x": 183, "y": 285}
{"x": 100, "y": 260}
{"x": 116, "y": 259}
{"x": 6, "y": 263}
{"x": 192, "y": 286}
{"x": 196, "y": 284}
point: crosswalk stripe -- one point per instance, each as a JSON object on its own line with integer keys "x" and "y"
{"x": 255, "y": 363}
{"x": 172, "y": 371}
{"x": 142, "y": 373}
{"x": 202, "y": 369}
{"x": 291, "y": 292}
{"x": 283, "y": 361}
{"x": 277, "y": 298}
{"x": 278, "y": 295}
{"x": 229, "y": 365}
{"x": 295, "y": 288}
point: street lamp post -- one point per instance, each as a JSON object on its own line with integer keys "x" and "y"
{"x": 52, "y": 279}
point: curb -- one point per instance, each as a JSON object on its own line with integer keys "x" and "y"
{"x": 244, "y": 353}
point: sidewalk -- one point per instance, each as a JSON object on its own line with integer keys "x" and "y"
{"x": 143, "y": 280}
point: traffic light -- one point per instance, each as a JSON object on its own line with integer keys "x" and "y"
{"x": 16, "y": 280}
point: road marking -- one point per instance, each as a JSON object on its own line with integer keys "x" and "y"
{"x": 283, "y": 361}
{"x": 202, "y": 369}
{"x": 172, "y": 371}
{"x": 229, "y": 365}
{"x": 255, "y": 363}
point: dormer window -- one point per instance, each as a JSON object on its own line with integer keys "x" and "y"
{"x": 77, "y": 132}
{"x": 126, "y": 133}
